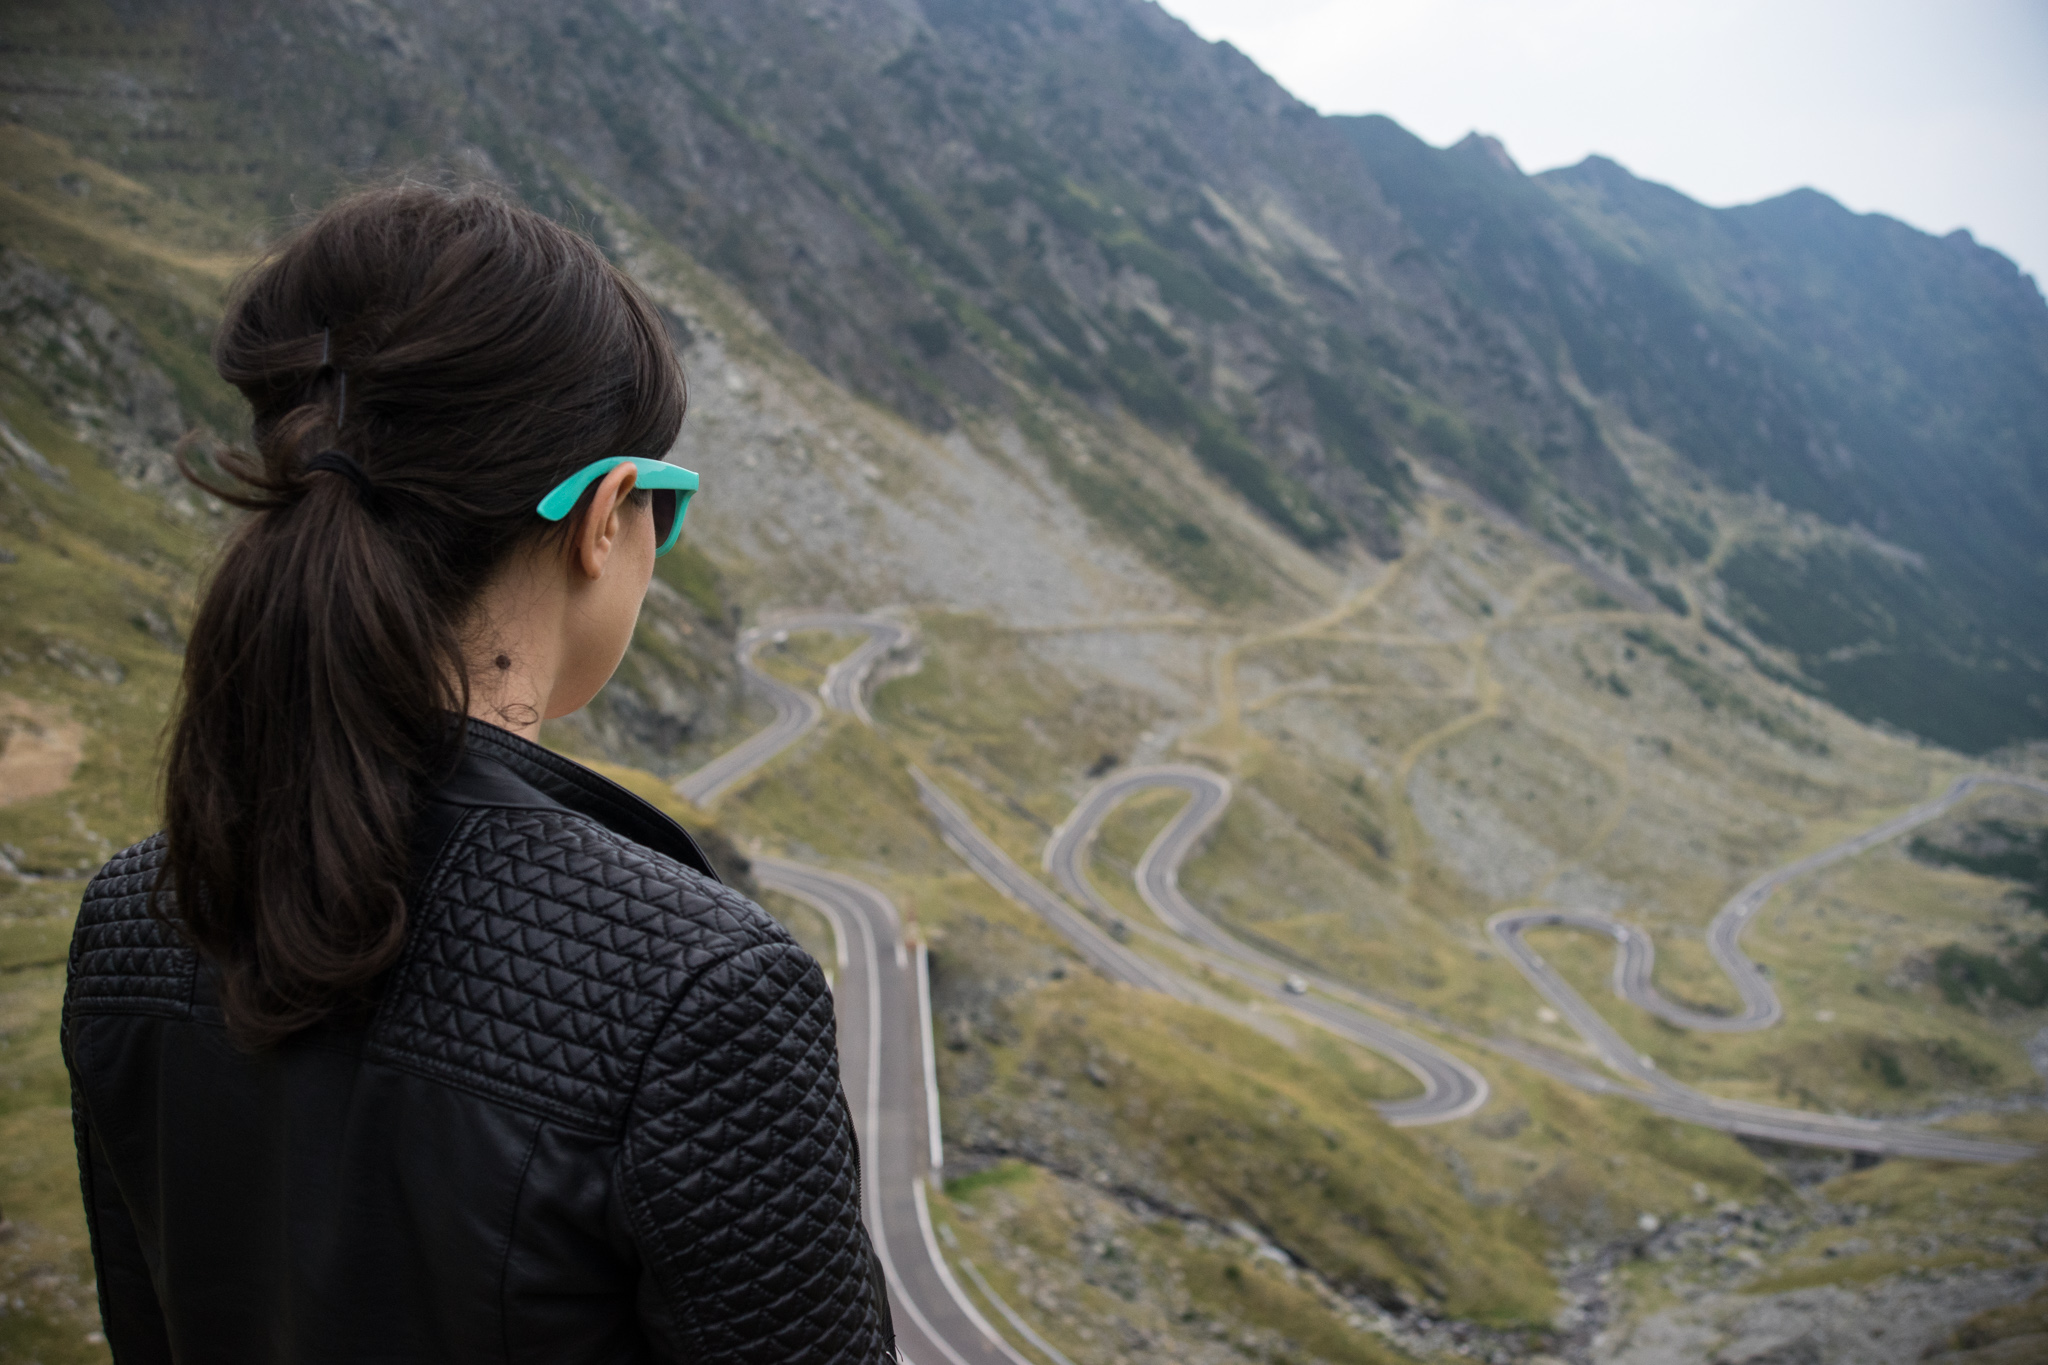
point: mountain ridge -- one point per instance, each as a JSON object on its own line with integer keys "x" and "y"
{"x": 1634, "y": 276}
{"x": 939, "y": 203}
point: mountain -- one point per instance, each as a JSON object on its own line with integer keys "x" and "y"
{"x": 1505, "y": 540}
{"x": 940, "y": 204}
{"x": 1888, "y": 383}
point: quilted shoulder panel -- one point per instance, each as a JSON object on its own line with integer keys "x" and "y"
{"x": 547, "y": 954}
{"x": 123, "y": 958}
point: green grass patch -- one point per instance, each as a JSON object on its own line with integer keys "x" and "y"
{"x": 1366, "y": 1075}
{"x": 1715, "y": 693}
{"x": 841, "y": 795}
{"x": 989, "y": 1178}
{"x": 1251, "y": 1289}
{"x": 46, "y": 1266}
{"x": 1120, "y": 840}
{"x": 1243, "y": 1128}
{"x": 802, "y": 659}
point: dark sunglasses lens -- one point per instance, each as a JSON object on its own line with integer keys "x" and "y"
{"x": 666, "y": 505}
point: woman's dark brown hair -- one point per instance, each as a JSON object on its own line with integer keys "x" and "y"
{"x": 466, "y": 355}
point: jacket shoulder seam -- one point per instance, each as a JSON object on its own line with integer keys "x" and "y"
{"x": 668, "y": 1015}
{"x": 483, "y": 1087}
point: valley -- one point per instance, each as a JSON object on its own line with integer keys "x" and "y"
{"x": 1452, "y": 1089}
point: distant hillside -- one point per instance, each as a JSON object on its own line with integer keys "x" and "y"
{"x": 1844, "y": 365}
{"x": 942, "y": 205}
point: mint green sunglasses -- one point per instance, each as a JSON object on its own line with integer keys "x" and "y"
{"x": 671, "y": 485}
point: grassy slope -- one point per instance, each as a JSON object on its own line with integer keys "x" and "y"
{"x": 90, "y": 556}
{"x": 1283, "y": 1139}
{"x": 1097, "y": 1273}
{"x": 1712, "y": 763}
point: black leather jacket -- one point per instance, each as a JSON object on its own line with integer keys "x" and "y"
{"x": 596, "y": 1115}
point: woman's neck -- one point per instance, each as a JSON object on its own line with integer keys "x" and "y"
{"x": 551, "y": 626}
{"x": 514, "y": 647}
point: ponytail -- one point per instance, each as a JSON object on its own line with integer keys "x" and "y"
{"x": 482, "y": 353}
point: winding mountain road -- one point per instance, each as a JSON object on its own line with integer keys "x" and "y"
{"x": 1635, "y": 959}
{"x": 1451, "y": 1087}
{"x": 1101, "y": 950}
{"x": 880, "y": 996}
{"x": 1653, "y": 1088}
{"x": 1157, "y": 879}
{"x": 884, "y": 1010}
{"x": 1636, "y": 955}
{"x": 881, "y": 1062}
{"x": 796, "y": 711}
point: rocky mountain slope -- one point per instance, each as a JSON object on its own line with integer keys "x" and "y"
{"x": 941, "y": 204}
{"x": 1886, "y": 382}
{"x": 1507, "y": 540}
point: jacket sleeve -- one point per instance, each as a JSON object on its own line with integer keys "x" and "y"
{"x": 741, "y": 1176}
{"x": 129, "y": 1309}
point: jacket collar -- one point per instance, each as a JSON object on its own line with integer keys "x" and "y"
{"x": 497, "y": 769}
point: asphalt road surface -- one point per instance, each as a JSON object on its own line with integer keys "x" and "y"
{"x": 881, "y": 1063}
{"x": 1451, "y": 1088}
{"x": 796, "y": 711}
{"x": 1635, "y": 958}
{"x": 883, "y": 1016}
{"x": 1760, "y": 1008}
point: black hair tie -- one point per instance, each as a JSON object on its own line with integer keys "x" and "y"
{"x": 335, "y": 462}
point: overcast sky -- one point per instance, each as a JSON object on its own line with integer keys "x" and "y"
{"x": 1932, "y": 111}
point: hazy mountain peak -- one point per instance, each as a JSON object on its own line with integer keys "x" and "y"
{"x": 1486, "y": 145}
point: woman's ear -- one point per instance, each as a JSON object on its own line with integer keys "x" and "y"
{"x": 603, "y": 522}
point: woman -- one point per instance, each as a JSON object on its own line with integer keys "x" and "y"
{"x": 408, "y": 1040}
